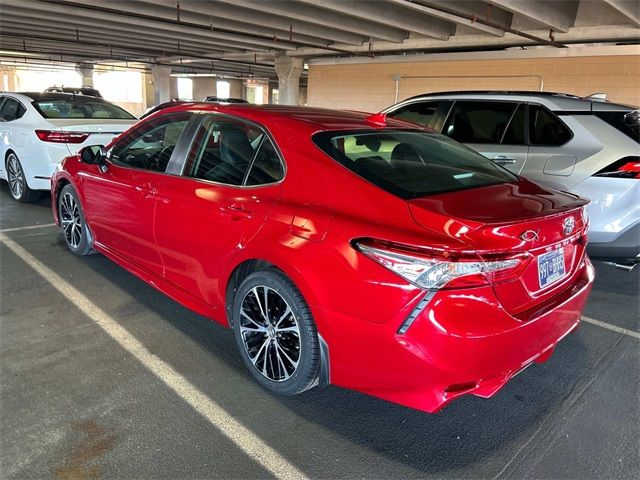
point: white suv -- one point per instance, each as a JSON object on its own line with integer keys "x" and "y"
{"x": 587, "y": 146}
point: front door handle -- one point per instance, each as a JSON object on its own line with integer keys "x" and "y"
{"x": 147, "y": 190}
{"x": 502, "y": 160}
{"x": 236, "y": 211}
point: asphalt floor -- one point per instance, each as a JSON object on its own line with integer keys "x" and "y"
{"x": 78, "y": 403}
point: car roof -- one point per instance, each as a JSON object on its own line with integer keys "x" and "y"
{"x": 316, "y": 118}
{"x": 554, "y": 100}
{"x": 40, "y": 96}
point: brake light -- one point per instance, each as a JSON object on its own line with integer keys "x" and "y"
{"x": 627, "y": 167}
{"x": 435, "y": 269}
{"x": 61, "y": 136}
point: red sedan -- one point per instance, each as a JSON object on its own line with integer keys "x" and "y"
{"x": 341, "y": 248}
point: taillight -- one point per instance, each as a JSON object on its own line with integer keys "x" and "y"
{"x": 61, "y": 136}
{"x": 627, "y": 167}
{"x": 435, "y": 269}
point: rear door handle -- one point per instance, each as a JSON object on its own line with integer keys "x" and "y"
{"x": 236, "y": 211}
{"x": 502, "y": 160}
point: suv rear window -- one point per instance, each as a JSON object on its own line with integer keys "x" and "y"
{"x": 410, "y": 163}
{"x": 627, "y": 122}
{"x": 74, "y": 108}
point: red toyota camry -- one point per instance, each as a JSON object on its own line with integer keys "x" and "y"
{"x": 341, "y": 248}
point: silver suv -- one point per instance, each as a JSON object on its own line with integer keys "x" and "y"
{"x": 587, "y": 146}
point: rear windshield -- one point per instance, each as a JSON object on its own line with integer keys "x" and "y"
{"x": 411, "y": 164}
{"x": 74, "y": 108}
{"x": 627, "y": 122}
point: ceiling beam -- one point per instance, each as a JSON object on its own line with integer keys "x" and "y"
{"x": 385, "y": 13}
{"x": 557, "y": 15}
{"x": 212, "y": 11}
{"x": 629, "y": 8}
{"x": 92, "y": 15}
{"x": 455, "y": 19}
{"x": 307, "y": 13}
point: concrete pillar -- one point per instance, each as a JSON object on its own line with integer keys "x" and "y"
{"x": 203, "y": 87}
{"x": 162, "y": 83}
{"x": 289, "y": 70}
{"x": 86, "y": 72}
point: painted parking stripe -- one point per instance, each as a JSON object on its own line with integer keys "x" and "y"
{"x": 613, "y": 328}
{"x": 30, "y": 227}
{"x": 240, "y": 435}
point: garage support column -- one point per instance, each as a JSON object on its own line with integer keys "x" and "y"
{"x": 289, "y": 70}
{"x": 86, "y": 72}
{"x": 162, "y": 83}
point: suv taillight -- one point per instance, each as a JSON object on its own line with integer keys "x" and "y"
{"x": 435, "y": 269}
{"x": 627, "y": 167}
{"x": 61, "y": 136}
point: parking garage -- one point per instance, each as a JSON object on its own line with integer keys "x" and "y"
{"x": 109, "y": 372}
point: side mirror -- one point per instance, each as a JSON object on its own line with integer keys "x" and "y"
{"x": 93, "y": 154}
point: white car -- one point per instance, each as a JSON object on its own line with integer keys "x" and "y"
{"x": 37, "y": 130}
{"x": 586, "y": 146}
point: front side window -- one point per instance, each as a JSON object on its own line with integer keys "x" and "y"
{"x": 478, "y": 121}
{"x": 514, "y": 134}
{"x": 411, "y": 164}
{"x": 80, "y": 107}
{"x": 150, "y": 146}
{"x": 233, "y": 152}
{"x": 11, "y": 109}
{"x": 545, "y": 128}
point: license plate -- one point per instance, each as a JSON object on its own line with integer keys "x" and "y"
{"x": 550, "y": 267}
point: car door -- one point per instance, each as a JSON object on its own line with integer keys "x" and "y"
{"x": 493, "y": 128}
{"x": 229, "y": 182}
{"x": 120, "y": 199}
{"x": 12, "y": 133}
{"x": 548, "y": 160}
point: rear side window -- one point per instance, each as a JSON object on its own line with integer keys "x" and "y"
{"x": 410, "y": 163}
{"x": 233, "y": 152}
{"x": 514, "y": 134}
{"x": 76, "y": 108}
{"x": 478, "y": 122}
{"x": 545, "y": 128}
{"x": 627, "y": 122}
{"x": 11, "y": 109}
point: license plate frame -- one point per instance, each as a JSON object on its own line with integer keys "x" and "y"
{"x": 551, "y": 267}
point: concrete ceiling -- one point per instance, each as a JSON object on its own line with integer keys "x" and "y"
{"x": 241, "y": 37}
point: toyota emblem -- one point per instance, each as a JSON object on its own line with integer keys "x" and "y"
{"x": 568, "y": 224}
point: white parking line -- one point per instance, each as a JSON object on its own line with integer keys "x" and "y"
{"x": 30, "y": 227}
{"x": 240, "y": 435}
{"x": 613, "y": 328}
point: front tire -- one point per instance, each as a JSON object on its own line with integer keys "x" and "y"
{"x": 275, "y": 333}
{"x": 17, "y": 179}
{"x": 72, "y": 222}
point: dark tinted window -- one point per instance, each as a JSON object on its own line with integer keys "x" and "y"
{"x": 11, "y": 109}
{"x": 420, "y": 113}
{"x": 411, "y": 164}
{"x": 514, "y": 134}
{"x": 545, "y": 128}
{"x": 478, "y": 122}
{"x": 627, "y": 122}
{"x": 80, "y": 108}
{"x": 222, "y": 150}
{"x": 150, "y": 146}
{"x": 267, "y": 167}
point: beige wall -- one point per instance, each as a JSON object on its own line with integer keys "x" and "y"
{"x": 370, "y": 87}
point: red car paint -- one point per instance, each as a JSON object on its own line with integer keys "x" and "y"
{"x": 186, "y": 237}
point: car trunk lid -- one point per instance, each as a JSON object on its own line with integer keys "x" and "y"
{"x": 545, "y": 228}
{"x": 99, "y": 131}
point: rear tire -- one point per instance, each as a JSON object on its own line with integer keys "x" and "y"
{"x": 17, "y": 180}
{"x": 275, "y": 333}
{"x": 72, "y": 222}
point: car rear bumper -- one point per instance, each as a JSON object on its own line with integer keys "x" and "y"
{"x": 622, "y": 247}
{"x": 463, "y": 342}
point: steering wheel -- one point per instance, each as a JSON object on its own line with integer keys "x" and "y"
{"x": 159, "y": 161}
